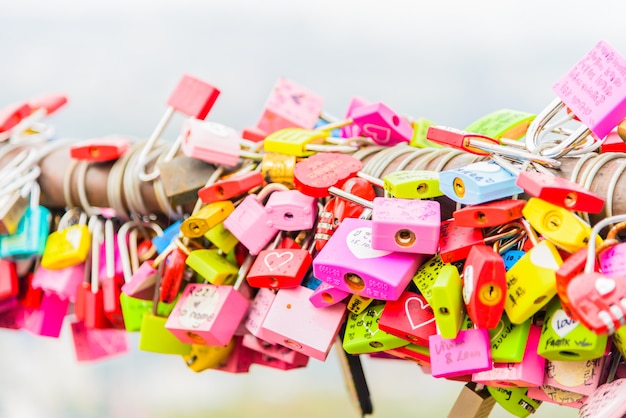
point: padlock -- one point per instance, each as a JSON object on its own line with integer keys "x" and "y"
{"x": 515, "y": 400}
{"x": 294, "y": 322}
{"x": 610, "y": 254}
{"x": 222, "y": 238}
{"x": 406, "y": 225}
{"x": 11, "y": 115}
{"x": 575, "y": 377}
{"x": 141, "y": 283}
{"x": 29, "y": 125}
{"x": 427, "y": 274}
{"x": 565, "y": 339}
{"x": 212, "y": 266}
{"x": 97, "y": 150}
{"x": 474, "y": 401}
{"x": 97, "y": 344}
{"x": 364, "y": 335}
{"x": 288, "y": 105}
{"x": 326, "y": 295}
{"x": 606, "y": 402}
{"x": 550, "y": 394}
{"x": 357, "y": 304}
{"x": 183, "y": 177}
{"x": 278, "y": 168}
{"x": 503, "y": 123}
{"x": 9, "y": 286}
{"x": 559, "y": 191}
{"x": 572, "y": 266}
{"x": 527, "y": 373}
{"x": 446, "y": 300}
{"x": 413, "y": 352}
{"x": 196, "y": 225}
{"x": 484, "y": 286}
{"x": 63, "y": 282}
{"x": 203, "y": 357}
{"x": 378, "y": 122}
{"x": 276, "y": 351}
{"x": 209, "y": 314}
{"x": 212, "y": 142}
{"x": 557, "y": 224}
{"x": 469, "y": 352}
{"x": 290, "y": 210}
{"x": 173, "y": 273}
{"x": 456, "y": 241}
{"x": 417, "y": 184}
{"x": 508, "y": 340}
{"x": 12, "y": 314}
{"x": 349, "y": 262}
{"x": 47, "y": 320}
{"x": 489, "y": 214}
{"x": 296, "y": 141}
{"x": 231, "y": 187}
{"x": 511, "y": 257}
{"x": 322, "y": 172}
{"x": 257, "y": 312}
{"x": 479, "y": 182}
{"x": 410, "y": 318}
{"x": 531, "y": 282}
{"x": 280, "y": 268}
{"x": 32, "y": 231}
{"x": 29, "y": 297}
{"x": 239, "y": 360}
{"x": 69, "y": 245}
{"x": 12, "y": 207}
{"x": 133, "y": 310}
{"x": 111, "y": 276}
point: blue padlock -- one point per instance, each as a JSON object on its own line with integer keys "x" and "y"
{"x": 478, "y": 182}
{"x": 511, "y": 257}
{"x": 161, "y": 242}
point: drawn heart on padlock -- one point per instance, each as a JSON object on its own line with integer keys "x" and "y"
{"x": 606, "y": 401}
{"x": 379, "y": 134}
{"x": 359, "y": 243}
{"x": 285, "y": 257}
{"x": 409, "y": 307}
{"x": 498, "y": 330}
{"x": 562, "y": 324}
{"x": 372, "y": 333}
{"x": 541, "y": 256}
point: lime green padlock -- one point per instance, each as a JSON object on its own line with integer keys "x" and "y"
{"x": 619, "y": 340}
{"x": 564, "y": 339}
{"x": 363, "y": 335}
{"x": 155, "y": 338}
{"x": 420, "y": 128}
{"x": 133, "y": 310}
{"x": 515, "y": 400}
{"x": 412, "y": 184}
{"x": 221, "y": 237}
{"x": 503, "y": 123}
{"x": 426, "y": 275}
{"x": 447, "y": 301}
{"x": 212, "y": 266}
{"x": 508, "y": 340}
{"x": 203, "y": 357}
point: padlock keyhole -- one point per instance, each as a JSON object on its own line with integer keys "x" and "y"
{"x": 481, "y": 217}
{"x": 540, "y": 299}
{"x": 459, "y": 187}
{"x": 570, "y": 199}
{"x": 327, "y": 297}
{"x": 220, "y": 190}
{"x": 395, "y": 120}
{"x": 405, "y": 237}
{"x": 354, "y": 282}
{"x": 422, "y": 188}
{"x": 273, "y": 282}
{"x": 288, "y": 216}
{"x": 292, "y": 344}
{"x": 376, "y": 344}
{"x": 444, "y": 311}
{"x": 568, "y": 353}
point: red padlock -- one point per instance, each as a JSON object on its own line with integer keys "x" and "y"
{"x": 230, "y": 187}
{"x": 100, "y": 149}
{"x": 489, "y": 214}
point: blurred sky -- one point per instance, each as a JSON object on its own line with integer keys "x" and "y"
{"x": 118, "y": 61}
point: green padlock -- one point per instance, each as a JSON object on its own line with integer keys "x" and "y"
{"x": 447, "y": 301}
{"x": 133, "y": 310}
{"x": 420, "y": 128}
{"x": 503, "y": 123}
{"x": 221, "y": 237}
{"x": 515, "y": 400}
{"x": 212, "y": 266}
{"x": 412, "y": 184}
{"x": 619, "y": 340}
{"x": 363, "y": 335}
{"x": 426, "y": 275}
{"x": 564, "y": 339}
{"x": 155, "y": 338}
{"x": 508, "y": 340}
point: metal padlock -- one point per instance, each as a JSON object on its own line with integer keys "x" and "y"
{"x": 515, "y": 400}
{"x": 474, "y": 401}
{"x": 69, "y": 245}
{"x": 477, "y": 183}
{"x": 406, "y": 225}
{"x": 13, "y": 314}
{"x": 446, "y": 300}
{"x": 288, "y": 105}
{"x": 410, "y": 318}
{"x": 183, "y": 177}
{"x": 565, "y": 339}
{"x": 349, "y": 262}
{"x": 290, "y": 210}
{"x": 364, "y": 335}
{"x": 278, "y": 168}
{"x": 611, "y": 254}
{"x": 32, "y": 231}
{"x": 326, "y": 295}
{"x": 13, "y": 206}
{"x": 417, "y": 184}
{"x": 29, "y": 296}
{"x": 97, "y": 344}
{"x": 98, "y": 150}
{"x": 508, "y": 340}
{"x": 529, "y": 372}
{"x": 212, "y": 266}
{"x": 174, "y": 272}
{"x": 414, "y": 352}
{"x": 294, "y": 322}
{"x": 469, "y": 352}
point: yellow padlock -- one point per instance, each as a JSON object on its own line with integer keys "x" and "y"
{"x": 203, "y": 357}
{"x": 69, "y": 245}
{"x": 294, "y": 141}
{"x": 206, "y": 218}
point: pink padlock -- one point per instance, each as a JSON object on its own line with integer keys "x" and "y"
{"x": 293, "y": 322}
{"x": 12, "y": 314}
{"x": 275, "y": 363}
{"x": 291, "y": 210}
{"x": 96, "y": 344}
{"x": 606, "y": 402}
{"x": 382, "y": 124}
{"x": 528, "y": 373}
{"x": 550, "y": 394}
{"x": 240, "y": 358}
{"x": 468, "y": 353}
{"x": 277, "y": 351}
{"x": 290, "y": 105}
{"x": 326, "y": 295}
{"x": 63, "y": 282}
{"x": 353, "y": 130}
{"x": 406, "y": 225}
{"x": 349, "y": 262}
{"x": 211, "y": 142}
{"x": 581, "y": 376}
{"x": 47, "y": 320}
{"x": 613, "y": 260}
{"x": 142, "y": 282}
{"x": 257, "y": 311}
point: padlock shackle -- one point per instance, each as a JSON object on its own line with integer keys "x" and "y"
{"x": 591, "y": 249}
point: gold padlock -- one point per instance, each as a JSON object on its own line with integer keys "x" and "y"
{"x": 206, "y": 218}
{"x": 12, "y": 208}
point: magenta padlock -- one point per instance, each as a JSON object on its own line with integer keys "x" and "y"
{"x": 291, "y": 210}
{"x": 406, "y": 225}
{"x": 240, "y": 358}
{"x": 268, "y": 361}
{"x": 47, "y": 320}
{"x": 96, "y": 344}
{"x": 353, "y": 130}
{"x": 12, "y": 314}
{"x": 249, "y": 223}
{"x": 349, "y": 262}
{"x": 382, "y": 124}
{"x": 293, "y": 322}
{"x": 613, "y": 260}
{"x": 468, "y": 353}
{"x": 257, "y": 311}
{"x": 210, "y": 142}
{"x": 528, "y": 373}
{"x": 63, "y": 282}
{"x": 326, "y": 295}
{"x": 142, "y": 281}
{"x": 277, "y": 351}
